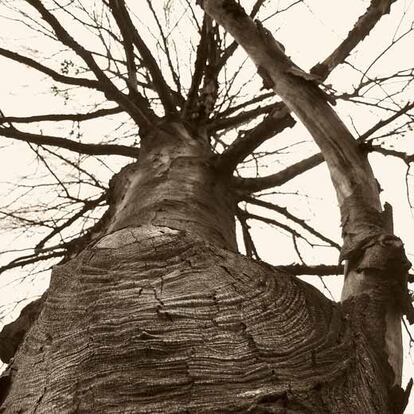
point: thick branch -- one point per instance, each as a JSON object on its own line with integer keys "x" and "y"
{"x": 89, "y": 149}
{"x": 248, "y": 141}
{"x": 229, "y": 51}
{"x": 261, "y": 132}
{"x": 252, "y": 185}
{"x": 362, "y": 28}
{"x": 302, "y": 96}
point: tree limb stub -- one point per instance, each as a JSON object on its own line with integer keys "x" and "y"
{"x": 364, "y": 233}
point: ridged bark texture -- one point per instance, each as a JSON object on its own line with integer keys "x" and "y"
{"x": 155, "y": 320}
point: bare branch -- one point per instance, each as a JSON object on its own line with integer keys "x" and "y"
{"x": 241, "y": 118}
{"x": 252, "y": 185}
{"x": 250, "y": 216}
{"x": 138, "y": 108}
{"x": 166, "y": 49}
{"x": 248, "y": 141}
{"x": 61, "y": 117}
{"x": 199, "y": 66}
{"x": 394, "y": 153}
{"x": 290, "y": 216}
{"x": 249, "y": 245}
{"x": 89, "y": 149}
{"x": 316, "y": 270}
{"x": 128, "y": 47}
{"x": 88, "y": 205}
{"x": 229, "y": 51}
{"x": 31, "y": 259}
{"x": 88, "y": 83}
{"x": 127, "y": 27}
{"x": 385, "y": 122}
{"x": 362, "y": 28}
{"x": 233, "y": 109}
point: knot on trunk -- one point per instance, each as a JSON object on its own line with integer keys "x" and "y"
{"x": 370, "y": 247}
{"x": 361, "y": 225}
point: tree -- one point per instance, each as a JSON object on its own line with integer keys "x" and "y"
{"x": 152, "y": 308}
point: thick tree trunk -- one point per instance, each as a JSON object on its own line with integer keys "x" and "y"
{"x": 160, "y": 314}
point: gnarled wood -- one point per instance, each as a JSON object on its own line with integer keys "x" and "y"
{"x": 156, "y": 320}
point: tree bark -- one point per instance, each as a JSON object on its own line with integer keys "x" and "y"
{"x": 377, "y": 267}
{"x": 160, "y": 314}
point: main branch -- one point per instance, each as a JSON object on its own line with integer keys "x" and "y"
{"x": 377, "y": 266}
{"x": 282, "y": 118}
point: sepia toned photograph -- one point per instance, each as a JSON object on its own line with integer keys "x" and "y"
{"x": 206, "y": 206}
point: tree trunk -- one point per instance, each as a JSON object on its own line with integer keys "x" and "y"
{"x": 160, "y": 314}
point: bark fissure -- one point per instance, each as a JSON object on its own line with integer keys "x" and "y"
{"x": 222, "y": 333}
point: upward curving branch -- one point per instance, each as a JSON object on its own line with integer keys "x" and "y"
{"x": 368, "y": 244}
{"x": 360, "y": 31}
{"x": 132, "y": 37}
{"x": 377, "y": 8}
{"x": 78, "y": 117}
{"x": 253, "y": 185}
